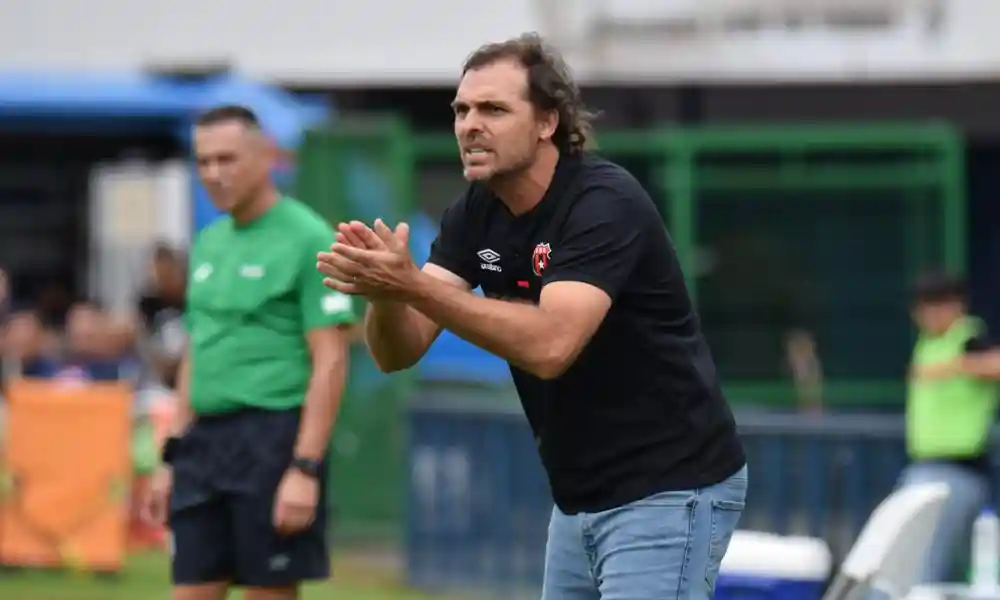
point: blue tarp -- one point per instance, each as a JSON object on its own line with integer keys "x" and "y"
{"x": 43, "y": 98}
{"x": 85, "y": 97}
{"x": 33, "y": 95}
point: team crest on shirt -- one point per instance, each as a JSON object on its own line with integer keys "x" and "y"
{"x": 540, "y": 258}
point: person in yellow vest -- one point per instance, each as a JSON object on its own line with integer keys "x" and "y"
{"x": 951, "y": 406}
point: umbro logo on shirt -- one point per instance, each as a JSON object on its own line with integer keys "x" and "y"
{"x": 489, "y": 258}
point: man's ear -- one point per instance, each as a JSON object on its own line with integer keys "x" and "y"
{"x": 280, "y": 158}
{"x": 548, "y": 123}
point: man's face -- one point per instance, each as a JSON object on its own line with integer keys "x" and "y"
{"x": 497, "y": 128}
{"x": 84, "y": 329}
{"x": 23, "y": 335}
{"x": 935, "y": 318}
{"x": 234, "y": 161}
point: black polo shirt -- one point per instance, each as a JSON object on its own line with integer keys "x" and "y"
{"x": 640, "y": 411}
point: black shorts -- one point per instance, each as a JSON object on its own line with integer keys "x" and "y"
{"x": 226, "y": 474}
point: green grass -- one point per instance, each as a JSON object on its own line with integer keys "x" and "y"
{"x": 146, "y": 578}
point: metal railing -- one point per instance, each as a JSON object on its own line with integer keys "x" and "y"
{"x": 479, "y": 502}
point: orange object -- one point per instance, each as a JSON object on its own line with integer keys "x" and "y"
{"x": 64, "y": 493}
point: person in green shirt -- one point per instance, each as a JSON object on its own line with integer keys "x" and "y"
{"x": 951, "y": 407}
{"x": 259, "y": 386}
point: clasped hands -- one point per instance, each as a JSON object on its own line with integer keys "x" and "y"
{"x": 371, "y": 262}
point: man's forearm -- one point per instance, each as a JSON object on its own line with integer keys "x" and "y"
{"x": 319, "y": 414}
{"x": 983, "y": 365}
{"x": 393, "y": 337}
{"x": 520, "y": 333}
{"x": 183, "y": 415}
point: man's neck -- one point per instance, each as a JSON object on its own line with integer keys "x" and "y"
{"x": 523, "y": 192}
{"x": 951, "y": 326}
{"x": 172, "y": 297}
{"x": 262, "y": 202}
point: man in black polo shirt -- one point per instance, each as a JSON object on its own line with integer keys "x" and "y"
{"x": 586, "y": 301}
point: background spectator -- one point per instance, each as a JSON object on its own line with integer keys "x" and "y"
{"x": 91, "y": 351}
{"x": 28, "y": 347}
{"x": 161, "y": 311}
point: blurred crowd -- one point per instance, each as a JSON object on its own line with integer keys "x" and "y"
{"x": 54, "y": 336}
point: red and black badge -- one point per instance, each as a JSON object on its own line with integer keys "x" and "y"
{"x": 540, "y": 258}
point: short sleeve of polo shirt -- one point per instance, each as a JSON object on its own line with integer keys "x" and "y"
{"x": 197, "y": 269}
{"x": 601, "y": 241}
{"x": 321, "y": 307}
{"x": 452, "y": 250}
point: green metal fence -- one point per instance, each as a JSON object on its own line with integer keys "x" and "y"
{"x": 646, "y": 154}
{"x": 821, "y": 230}
{"x": 781, "y": 230}
{"x": 361, "y": 170}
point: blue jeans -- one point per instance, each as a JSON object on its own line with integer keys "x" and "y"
{"x": 666, "y": 546}
{"x": 970, "y": 491}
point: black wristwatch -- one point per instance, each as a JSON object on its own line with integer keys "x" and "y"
{"x": 170, "y": 447}
{"x": 312, "y": 468}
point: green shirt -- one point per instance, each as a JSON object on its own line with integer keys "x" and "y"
{"x": 253, "y": 295}
{"x": 949, "y": 418}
